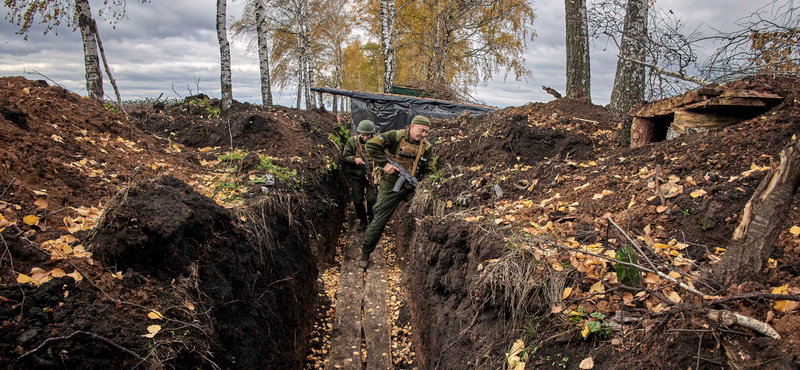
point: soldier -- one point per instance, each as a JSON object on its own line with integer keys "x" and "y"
{"x": 360, "y": 179}
{"x": 409, "y": 148}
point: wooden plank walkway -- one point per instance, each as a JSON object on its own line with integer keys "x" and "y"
{"x": 377, "y": 328}
{"x": 362, "y": 313}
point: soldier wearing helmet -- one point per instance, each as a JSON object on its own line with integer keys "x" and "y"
{"x": 410, "y": 150}
{"x": 353, "y": 154}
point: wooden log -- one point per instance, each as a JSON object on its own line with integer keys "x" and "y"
{"x": 642, "y": 132}
{"x": 731, "y": 318}
{"x": 749, "y": 94}
{"x": 727, "y": 103}
{"x": 685, "y": 118}
{"x": 763, "y": 217}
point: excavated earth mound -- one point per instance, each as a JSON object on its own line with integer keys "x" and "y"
{"x": 116, "y": 254}
{"x": 483, "y": 242}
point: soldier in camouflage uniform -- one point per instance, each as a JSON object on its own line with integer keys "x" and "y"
{"x": 409, "y": 148}
{"x": 359, "y": 182}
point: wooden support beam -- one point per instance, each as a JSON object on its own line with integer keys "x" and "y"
{"x": 642, "y": 132}
{"x": 684, "y": 118}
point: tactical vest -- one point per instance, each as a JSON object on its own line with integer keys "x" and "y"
{"x": 407, "y": 153}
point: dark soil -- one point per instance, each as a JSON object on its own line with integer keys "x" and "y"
{"x": 231, "y": 286}
{"x": 554, "y": 156}
{"x": 191, "y": 229}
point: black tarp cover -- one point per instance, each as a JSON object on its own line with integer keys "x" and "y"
{"x": 391, "y": 112}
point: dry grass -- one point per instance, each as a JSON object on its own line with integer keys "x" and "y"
{"x": 523, "y": 284}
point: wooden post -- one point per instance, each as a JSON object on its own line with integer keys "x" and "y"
{"x": 642, "y": 132}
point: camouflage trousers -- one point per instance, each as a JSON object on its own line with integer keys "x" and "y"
{"x": 388, "y": 201}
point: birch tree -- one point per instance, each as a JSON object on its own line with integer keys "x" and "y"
{"x": 629, "y": 81}
{"x": 578, "y": 66}
{"x": 387, "y": 13}
{"x": 91, "y": 59}
{"x": 224, "y": 55}
{"x": 77, "y": 15}
{"x": 262, "y": 30}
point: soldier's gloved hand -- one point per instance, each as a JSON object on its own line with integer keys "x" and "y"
{"x": 389, "y": 168}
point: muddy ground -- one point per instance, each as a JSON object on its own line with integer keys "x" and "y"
{"x": 215, "y": 227}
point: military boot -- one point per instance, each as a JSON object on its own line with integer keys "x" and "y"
{"x": 363, "y": 262}
{"x": 362, "y": 225}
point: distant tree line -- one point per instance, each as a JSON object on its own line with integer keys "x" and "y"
{"x": 452, "y": 46}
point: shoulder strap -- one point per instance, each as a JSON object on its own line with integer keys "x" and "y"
{"x": 419, "y": 155}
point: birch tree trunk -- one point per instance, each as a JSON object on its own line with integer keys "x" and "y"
{"x": 94, "y": 77}
{"x": 224, "y": 55}
{"x": 578, "y": 66}
{"x": 387, "y": 13}
{"x": 629, "y": 82}
{"x": 108, "y": 69}
{"x": 306, "y": 64}
{"x": 300, "y": 81}
{"x": 263, "y": 53}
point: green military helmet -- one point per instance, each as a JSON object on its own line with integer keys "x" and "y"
{"x": 366, "y": 127}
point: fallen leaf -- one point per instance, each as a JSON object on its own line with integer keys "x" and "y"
{"x": 795, "y": 230}
{"x": 41, "y": 203}
{"x": 585, "y": 332}
{"x": 597, "y": 288}
{"x": 557, "y": 266}
{"x": 586, "y": 364}
{"x": 698, "y": 193}
{"x": 627, "y": 298}
{"x": 152, "y": 331}
{"x": 661, "y": 209}
{"x": 22, "y": 279}
{"x": 30, "y": 220}
{"x": 76, "y": 275}
{"x": 556, "y": 309}
{"x": 190, "y": 305}
{"x": 566, "y": 293}
{"x": 155, "y": 315}
{"x": 57, "y": 273}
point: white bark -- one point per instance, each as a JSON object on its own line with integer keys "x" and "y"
{"x": 578, "y": 66}
{"x": 629, "y": 82}
{"x": 387, "y": 14}
{"x": 263, "y": 53}
{"x": 94, "y": 77}
{"x": 305, "y": 55}
{"x": 224, "y": 55}
{"x": 108, "y": 70}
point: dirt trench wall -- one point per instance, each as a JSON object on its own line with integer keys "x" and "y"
{"x": 255, "y": 295}
{"x": 453, "y": 328}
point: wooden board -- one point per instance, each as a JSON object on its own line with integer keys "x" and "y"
{"x": 684, "y": 119}
{"x": 377, "y": 327}
{"x": 346, "y": 340}
{"x": 705, "y": 98}
{"x": 642, "y": 132}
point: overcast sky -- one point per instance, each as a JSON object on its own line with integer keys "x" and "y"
{"x": 168, "y": 44}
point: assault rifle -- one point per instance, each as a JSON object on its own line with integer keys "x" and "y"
{"x": 366, "y": 164}
{"x": 403, "y": 176}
